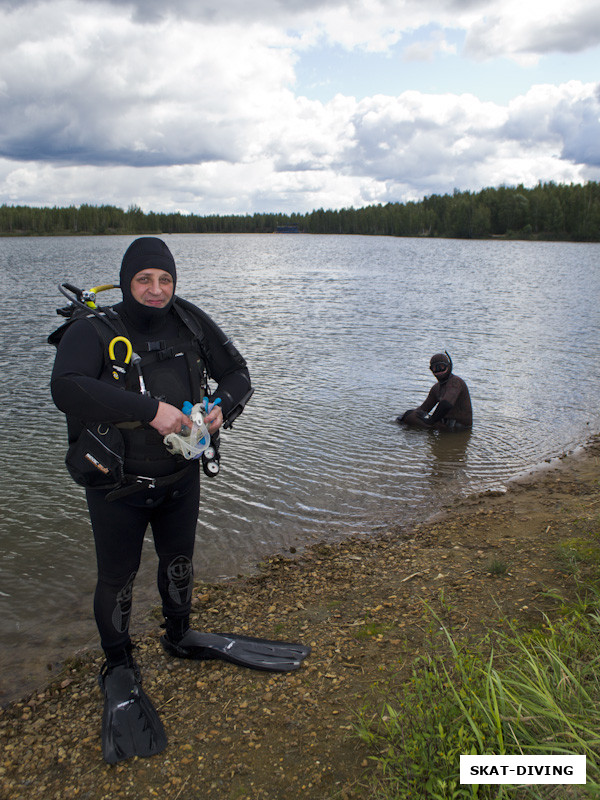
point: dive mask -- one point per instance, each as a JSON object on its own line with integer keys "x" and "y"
{"x": 439, "y": 367}
{"x": 190, "y": 442}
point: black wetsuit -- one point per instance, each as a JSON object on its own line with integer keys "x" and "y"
{"x": 454, "y": 401}
{"x": 81, "y": 390}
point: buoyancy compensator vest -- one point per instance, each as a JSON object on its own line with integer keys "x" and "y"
{"x": 173, "y": 370}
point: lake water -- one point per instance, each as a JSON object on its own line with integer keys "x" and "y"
{"x": 338, "y": 332}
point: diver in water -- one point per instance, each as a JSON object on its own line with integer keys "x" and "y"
{"x": 122, "y": 376}
{"x": 449, "y": 396}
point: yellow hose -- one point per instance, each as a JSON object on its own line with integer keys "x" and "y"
{"x": 94, "y": 291}
{"x": 128, "y": 348}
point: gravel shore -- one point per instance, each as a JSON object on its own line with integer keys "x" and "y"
{"x": 361, "y": 604}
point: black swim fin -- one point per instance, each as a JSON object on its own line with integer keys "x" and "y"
{"x": 245, "y": 651}
{"x": 130, "y": 723}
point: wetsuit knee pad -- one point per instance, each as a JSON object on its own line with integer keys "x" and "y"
{"x": 113, "y": 601}
{"x": 176, "y": 582}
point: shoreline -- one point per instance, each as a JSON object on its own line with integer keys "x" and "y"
{"x": 360, "y": 603}
{"x": 36, "y": 668}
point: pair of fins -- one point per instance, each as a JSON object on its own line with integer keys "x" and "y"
{"x": 130, "y": 723}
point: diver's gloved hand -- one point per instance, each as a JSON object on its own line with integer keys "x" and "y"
{"x": 408, "y": 418}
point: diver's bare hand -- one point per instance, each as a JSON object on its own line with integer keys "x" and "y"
{"x": 169, "y": 419}
{"x": 214, "y": 419}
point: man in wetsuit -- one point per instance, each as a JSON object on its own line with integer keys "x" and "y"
{"x": 162, "y": 489}
{"x": 450, "y": 398}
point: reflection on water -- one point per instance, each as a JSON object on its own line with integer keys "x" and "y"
{"x": 338, "y": 332}
{"x": 448, "y": 453}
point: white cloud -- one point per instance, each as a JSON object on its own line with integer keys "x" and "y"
{"x": 426, "y": 49}
{"x": 190, "y": 106}
{"x": 353, "y": 153}
{"x": 106, "y": 90}
{"x": 566, "y": 116}
{"x": 525, "y": 31}
{"x": 460, "y": 141}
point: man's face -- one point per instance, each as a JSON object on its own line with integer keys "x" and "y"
{"x": 152, "y": 287}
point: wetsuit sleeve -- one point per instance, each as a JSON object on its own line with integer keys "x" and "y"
{"x": 228, "y": 368}
{"x": 76, "y": 386}
{"x": 430, "y": 401}
{"x": 443, "y": 408}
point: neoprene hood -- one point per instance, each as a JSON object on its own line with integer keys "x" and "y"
{"x": 145, "y": 253}
{"x": 446, "y": 361}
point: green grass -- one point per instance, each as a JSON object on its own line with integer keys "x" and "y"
{"x": 580, "y": 552}
{"x": 497, "y": 567}
{"x": 518, "y": 692}
{"x": 372, "y": 630}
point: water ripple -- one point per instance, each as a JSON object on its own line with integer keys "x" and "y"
{"x": 337, "y": 332}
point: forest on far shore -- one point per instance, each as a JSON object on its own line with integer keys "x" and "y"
{"x": 548, "y": 211}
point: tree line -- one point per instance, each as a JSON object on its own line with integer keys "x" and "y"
{"x": 547, "y": 211}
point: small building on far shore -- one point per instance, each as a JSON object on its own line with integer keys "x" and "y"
{"x": 287, "y": 229}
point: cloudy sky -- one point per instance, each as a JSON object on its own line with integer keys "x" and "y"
{"x": 231, "y": 106}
